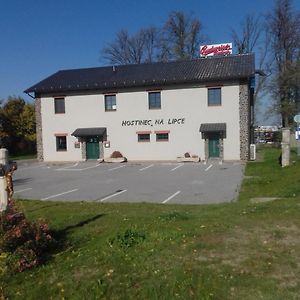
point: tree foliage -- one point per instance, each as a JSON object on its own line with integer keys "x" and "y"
{"x": 17, "y": 125}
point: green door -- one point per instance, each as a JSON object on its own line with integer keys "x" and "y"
{"x": 214, "y": 145}
{"x": 92, "y": 148}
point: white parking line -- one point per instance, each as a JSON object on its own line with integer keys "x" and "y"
{"x": 83, "y": 169}
{"x": 113, "y": 195}
{"x": 208, "y": 168}
{"x": 171, "y": 197}
{"x": 146, "y": 168}
{"x": 61, "y": 169}
{"x": 177, "y": 167}
{"x": 57, "y": 195}
{"x": 116, "y": 168}
{"x": 27, "y": 168}
{"x": 24, "y": 190}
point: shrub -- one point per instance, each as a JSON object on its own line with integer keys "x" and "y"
{"x": 128, "y": 239}
{"x": 26, "y": 243}
{"x": 116, "y": 154}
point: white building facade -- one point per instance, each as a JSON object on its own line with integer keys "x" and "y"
{"x": 147, "y": 112}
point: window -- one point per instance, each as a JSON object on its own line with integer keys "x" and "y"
{"x": 61, "y": 143}
{"x": 162, "y": 137}
{"x": 154, "y": 100}
{"x": 143, "y": 137}
{"x": 59, "y": 105}
{"x": 110, "y": 102}
{"x": 214, "y": 96}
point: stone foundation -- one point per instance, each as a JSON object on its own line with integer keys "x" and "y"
{"x": 39, "y": 136}
{"x": 244, "y": 104}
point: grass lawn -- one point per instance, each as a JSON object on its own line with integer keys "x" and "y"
{"x": 238, "y": 250}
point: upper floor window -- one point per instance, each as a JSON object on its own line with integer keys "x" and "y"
{"x": 61, "y": 143}
{"x": 59, "y": 105}
{"x": 214, "y": 96}
{"x": 110, "y": 102}
{"x": 154, "y": 100}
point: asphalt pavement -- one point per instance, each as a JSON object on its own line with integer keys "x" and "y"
{"x": 155, "y": 182}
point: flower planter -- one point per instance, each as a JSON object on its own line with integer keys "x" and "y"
{"x": 188, "y": 159}
{"x": 115, "y": 160}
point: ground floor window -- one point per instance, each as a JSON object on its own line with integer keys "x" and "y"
{"x": 162, "y": 137}
{"x": 143, "y": 137}
{"x": 61, "y": 143}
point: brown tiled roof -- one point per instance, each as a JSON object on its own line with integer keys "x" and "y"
{"x": 200, "y": 70}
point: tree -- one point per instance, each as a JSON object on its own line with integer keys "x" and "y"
{"x": 247, "y": 40}
{"x": 178, "y": 39}
{"x": 181, "y": 36}
{"x": 135, "y": 49}
{"x": 252, "y": 37}
{"x": 17, "y": 131}
{"x": 283, "y": 25}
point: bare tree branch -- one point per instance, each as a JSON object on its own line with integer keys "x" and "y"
{"x": 251, "y": 33}
{"x": 181, "y": 35}
{"x": 283, "y": 25}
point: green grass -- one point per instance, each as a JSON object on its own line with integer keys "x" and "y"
{"x": 268, "y": 179}
{"x": 150, "y": 251}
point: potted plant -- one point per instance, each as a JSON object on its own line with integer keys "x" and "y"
{"x": 187, "y": 157}
{"x": 116, "y": 156}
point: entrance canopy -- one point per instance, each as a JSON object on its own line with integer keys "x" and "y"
{"x": 88, "y": 132}
{"x": 207, "y": 128}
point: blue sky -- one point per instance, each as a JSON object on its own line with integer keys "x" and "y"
{"x": 39, "y": 38}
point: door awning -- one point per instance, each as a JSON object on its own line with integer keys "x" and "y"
{"x": 94, "y": 131}
{"x": 213, "y": 127}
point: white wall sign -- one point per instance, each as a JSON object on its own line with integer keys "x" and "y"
{"x": 216, "y": 49}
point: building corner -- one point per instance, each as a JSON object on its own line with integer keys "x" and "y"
{"x": 39, "y": 136}
{"x": 244, "y": 108}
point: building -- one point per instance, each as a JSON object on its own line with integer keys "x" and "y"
{"x": 156, "y": 111}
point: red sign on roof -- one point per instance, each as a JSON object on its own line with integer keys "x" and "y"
{"x": 217, "y": 49}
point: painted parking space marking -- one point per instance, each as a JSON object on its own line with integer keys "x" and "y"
{"x": 27, "y": 168}
{"x": 82, "y": 169}
{"x": 116, "y": 168}
{"x": 208, "y": 168}
{"x": 113, "y": 195}
{"x": 177, "y": 167}
{"x": 57, "y": 195}
{"x": 24, "y": 190}
{"x": 69, "y": 167}
{"x": 146, "y": 167}
{"x": 171, "y": 197}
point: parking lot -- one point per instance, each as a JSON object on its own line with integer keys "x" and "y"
{"x": 181, "y": 183}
